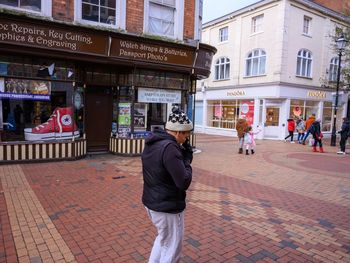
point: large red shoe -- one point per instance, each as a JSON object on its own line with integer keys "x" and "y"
{"x": 60, "y": 125}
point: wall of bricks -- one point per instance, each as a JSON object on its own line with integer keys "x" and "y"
{"x": 189, "y": 16}
{"x": 342, "y": 6}
{"x": 63, "y": 10}
{"x": 134, "y": 16}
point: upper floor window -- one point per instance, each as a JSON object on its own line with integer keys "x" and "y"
{"x": 256, "y": 63}
{"x": 333, "y": 69}
{"x": 41, "y": 6}
{"x": 222, "y": 68}
{"x": 199, "y": 20}
{"x": 257, "y": 23}
{"x": 304, "y": 63}
{"x": 101, "y": 12}
{"x": 164, "y": 17}
{"x": 307, "y": 25}
{"x": 223, "y": 34}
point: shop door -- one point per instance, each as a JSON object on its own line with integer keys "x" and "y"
{"x": 98, "y": 119}
{"x": 272, "y": 129}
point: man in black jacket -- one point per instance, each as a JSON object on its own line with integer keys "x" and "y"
{"x": 344, "y": 134}
{"x": 167, "y": 174}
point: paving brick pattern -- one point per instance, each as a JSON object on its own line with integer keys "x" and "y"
{"x": 282, "y": 204}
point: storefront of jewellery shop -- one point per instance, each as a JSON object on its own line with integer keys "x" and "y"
{"x": 66, "y": 91}
{"x": 265, "y": 108}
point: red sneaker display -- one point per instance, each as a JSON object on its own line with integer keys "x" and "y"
{"x": 60, "y": 125}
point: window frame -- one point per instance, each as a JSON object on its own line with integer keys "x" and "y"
{"x": 307, "y": 25}
{"x": 46, "y": 8}
{"x": 333, "y": 69}
{"x": 222, "y": 66}
{"x": 250, "y": 59}
{"x": 257, "y": 23}
{"x": 223, "y": 34}
{"x": 303, "y": 61}
{"x": 120, "y": 15}
{"x": 178, "y": 19}
{"x": 198, "y": 20}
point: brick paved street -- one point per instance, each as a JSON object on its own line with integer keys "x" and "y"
{"x": 282, "y": 204}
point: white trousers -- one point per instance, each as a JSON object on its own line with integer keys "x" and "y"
{"x": 168, "y": 243}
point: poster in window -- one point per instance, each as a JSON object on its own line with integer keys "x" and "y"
{"x": 140, "y": 116}
{"x": 25, "y": 89}
{"x": 247, "y": 111}
{"x": 297, "y": 111}
{"x": 124, "y": 118}
{"x": 217, "y": 111}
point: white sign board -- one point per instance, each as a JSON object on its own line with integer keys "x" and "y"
{"x": 159, "y": 96}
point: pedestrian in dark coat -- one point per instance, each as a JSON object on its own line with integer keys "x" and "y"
{"x": 315, "y": 130}
{"x": 344, "y": 134}
{"x": 167, "y": 174}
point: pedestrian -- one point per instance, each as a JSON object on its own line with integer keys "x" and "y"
{"x": 308, "y": 124}
{"x": 167, "y": 174}
{"x": 241, "y": 128}
{"x": 291, "y": 128}
{"x": 249, "y": 140}
{"x": 344, "y": 134}
{"x": 315, "y": 130}
{"x": 300, "y": 130}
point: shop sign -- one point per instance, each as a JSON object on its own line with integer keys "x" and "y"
{"x": 138, "y": 50}
{"x": 26, "y": 34}
{"x": 316, "y": 94}
{"x": 158, "y": 96}
{"x": 247, "y": 111}
{"x": 236, "y": 93}
{"x": 24, "y": 89}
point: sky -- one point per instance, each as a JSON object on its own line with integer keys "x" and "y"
{"x": 216, "y": 8}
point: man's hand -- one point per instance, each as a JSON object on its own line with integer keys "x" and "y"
{"x": 187, "y": 150}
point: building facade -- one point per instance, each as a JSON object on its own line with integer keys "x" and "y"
{"x": 275, "y": 60}
{"x": 86, "y": 76}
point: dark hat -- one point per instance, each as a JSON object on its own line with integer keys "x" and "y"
{"x": 178, "y": 121}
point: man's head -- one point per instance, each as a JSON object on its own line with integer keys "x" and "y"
{"x": 179, "y": 125}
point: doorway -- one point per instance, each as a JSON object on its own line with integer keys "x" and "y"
{"x": 98, "y": 118}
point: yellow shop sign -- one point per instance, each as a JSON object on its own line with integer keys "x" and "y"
{"x": 236, "y": 93}
{"x": 316, "y": 94}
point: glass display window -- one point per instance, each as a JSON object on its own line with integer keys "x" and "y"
{"x": 303, "y": 109}
{"x": 224, "y": 114}
{"x": 30, "y": 118}
{"x": 327, "y": 116}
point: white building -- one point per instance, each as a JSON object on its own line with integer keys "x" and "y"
{"x": 276, "y": 59}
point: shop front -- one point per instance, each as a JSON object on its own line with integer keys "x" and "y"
{"x": 66, "y": 90}
{"x": 266, "y": 109}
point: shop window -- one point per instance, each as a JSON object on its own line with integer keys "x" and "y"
{"x": 37, "y": 6}
{"x": 222, "y": 69}
{"x": 15, "y": 66}
{"x": 304, "y": 63}
{"x": 327, "y": 116}
{"x": 333, "y": 69}
{"x": 34, "y": 110}
{"x": 108, "y": 13}
{"x": 224, "y": 114}
{"x": 303, "y": 109}
{"x": 255, "y": 63}
{"x": 164, "y": 17}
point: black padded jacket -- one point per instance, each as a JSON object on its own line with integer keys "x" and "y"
{"x": 167, "y": 174}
